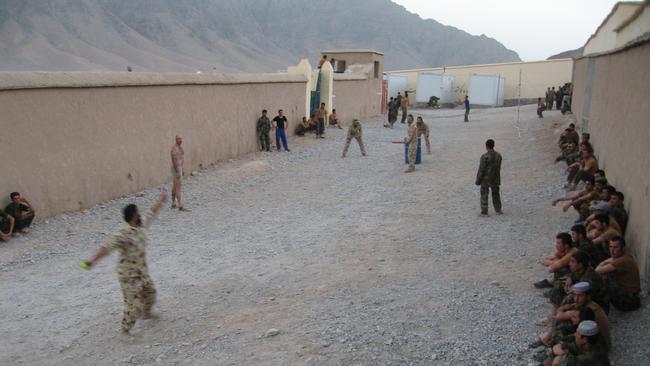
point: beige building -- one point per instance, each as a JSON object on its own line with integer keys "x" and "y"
{"x": 607, "y": 37}
{"x": 610, "y": 101}
{"x": 535, "y": 77}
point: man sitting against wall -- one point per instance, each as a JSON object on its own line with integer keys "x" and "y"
{"x": 622, "y": 276}
{"x": 22, "y": 211}
{"x": 334, "y": 120}
{"x": 6, "y": 226}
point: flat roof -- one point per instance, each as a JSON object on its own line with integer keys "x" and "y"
{"x": 479, "y": 65}
{"x": 79, "y": 79}
{"x": 359, "y": 50}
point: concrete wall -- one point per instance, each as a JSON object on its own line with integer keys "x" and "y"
{"x": 605, "y": 37}
{"x": 536, "y": 76}
{"x": 636, "y": 27}
{"x": 617, "y": 114}
{"x": 71, "y": 140}
{"x": 356, "y": 96}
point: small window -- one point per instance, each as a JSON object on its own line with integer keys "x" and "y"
{"x": 339, "y": 66}
{"x": 376, "y": 69}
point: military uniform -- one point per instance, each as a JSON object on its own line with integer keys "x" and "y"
{"x": 354, "y": 132}
{"x": 412, "y": 140}
{"x": 137, "y": 287}
{"x": 423, "y": 130}
{"x": 584, "y": 356}
{"x": 489, "y": 178}
{"x": 263, "y": 130}
{"x": 596, "y": 285}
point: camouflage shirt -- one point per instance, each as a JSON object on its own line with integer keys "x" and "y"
{"x": 354, "y": 130}
{"x": 423, "y": 129}
{"x": 263, "y": 125}
{"x": 131, "y": 243}
{"x": 489, "y": 170}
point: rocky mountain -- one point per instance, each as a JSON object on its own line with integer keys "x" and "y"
{"x": 225, "y": 35}
{"x": 568, "y": 54}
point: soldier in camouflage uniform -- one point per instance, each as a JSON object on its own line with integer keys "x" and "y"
{"x": 411, "y": 140}
{"x": 354, "y": 132}
{"x": 489, "y": 178}
{"x": 263, "y": 129}
{"x": 423, "y": 130}
{"x": 588, "y": 348}
{"x": 130, "y": 240}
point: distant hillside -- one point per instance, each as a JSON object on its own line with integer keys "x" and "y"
{"x": 224, "y": 35}
{"x": 568, "y": 54}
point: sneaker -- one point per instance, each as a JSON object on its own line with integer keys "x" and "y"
{"x": 542, "y": 284}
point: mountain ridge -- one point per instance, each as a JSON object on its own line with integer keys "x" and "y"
{"x": 225, "y": 35}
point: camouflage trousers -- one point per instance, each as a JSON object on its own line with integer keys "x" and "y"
{"x": 359, "y": 140}
{"x": 139, "y": 297}
{"x": 496, "y": 198}
{"x": 622, "y": 300}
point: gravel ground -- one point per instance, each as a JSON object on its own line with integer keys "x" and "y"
{"x": 352, "y": 261}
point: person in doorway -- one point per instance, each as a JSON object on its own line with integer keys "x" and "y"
{"x": 281, "y": 124}
{"x": 178, "y": 159}
{"x": 263, "y": 130}
{"x": 466, "y": 102}
{"x": 130, "y": 241}
{"x": 489, "y": 178}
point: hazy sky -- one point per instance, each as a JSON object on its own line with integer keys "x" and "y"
{"x": 535, "y": 29}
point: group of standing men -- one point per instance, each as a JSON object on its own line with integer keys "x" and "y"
{"x": 279, "y": 124}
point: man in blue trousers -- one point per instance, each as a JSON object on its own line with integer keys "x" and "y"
{"x": 280, "y": 124}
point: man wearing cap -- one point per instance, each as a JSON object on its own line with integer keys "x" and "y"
{"x": 582, "y": 297}
{"x": 588, "y": 348}
{"x": 621, "y": 276}
{"x": 581, "y": 271}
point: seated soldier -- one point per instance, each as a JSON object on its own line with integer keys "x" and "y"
{"x": 302, "y": 127}
{"x": 588, "y": 349}
{"x": 581, "y": 200}
{"x": 581, "y": 271}
{"x": 582, "y": 297}
{"x": 617, "y": 209}
{"x": 602, "y": 232}
{"x": 6, "y": 226}
{"x": 580, "y": 242}
{"x": 573, "y": 136}
{"x": 561, "y": 331}
{"x": 569, "y": 153}
{"x": 600, "y": 208}
{"x": 586, "y": 137}
{"x": 334, "y": 120}
{"x": 22, "y": 211}
{"x": 558, "y": 262}
{"x": 587, "y": 167}
{"x": 621, "y": 276}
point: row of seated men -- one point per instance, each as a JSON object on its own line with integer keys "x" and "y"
{"x": 311, "y": 124}
{"x": 590, "y": 272}
{"x": 16, "y": 218}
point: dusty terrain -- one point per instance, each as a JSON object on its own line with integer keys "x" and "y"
{"x": 351, "y": 260}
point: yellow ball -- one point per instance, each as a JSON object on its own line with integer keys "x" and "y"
{"x": 84, "y": 265}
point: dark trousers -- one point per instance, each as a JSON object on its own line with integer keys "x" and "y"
{"x": 496, "y": 198}
{"x": 265, "y": 141}
{"x": 280, "y": 134}
{"x": 581, "y": 175}
{"x": 321, "y": 127}
{"x": 404, "y": 111}
{"x": 466, "y": 114}
{"x": 539, "y": 112}
{"x": 23, "y": 222}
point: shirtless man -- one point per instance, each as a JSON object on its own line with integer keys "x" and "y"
{"x": 586, "y": 167}
{"x": 177, "y": 155}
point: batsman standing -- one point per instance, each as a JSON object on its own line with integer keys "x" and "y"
{"x": 130, "y": 241}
